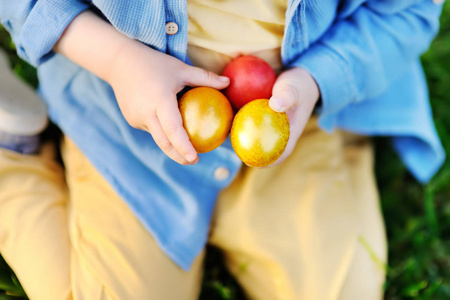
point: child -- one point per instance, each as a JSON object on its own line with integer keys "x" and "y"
{"x": 139, "y": 205}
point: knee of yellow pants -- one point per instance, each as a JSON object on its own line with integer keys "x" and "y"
{"x": 292, "y": 231}
{"x": 33, "y": 227}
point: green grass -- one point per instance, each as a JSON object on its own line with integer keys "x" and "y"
{"x": 417, "y": 217}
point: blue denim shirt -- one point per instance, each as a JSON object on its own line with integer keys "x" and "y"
{"x": 364, "y": 55}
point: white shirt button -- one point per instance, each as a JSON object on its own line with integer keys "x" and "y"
{"x": 221, "y": 173}
{"x": 171, "y": 28}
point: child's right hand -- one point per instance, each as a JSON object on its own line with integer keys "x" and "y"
{"x": 146, "y": 83}
{"x": 144, "y": 80}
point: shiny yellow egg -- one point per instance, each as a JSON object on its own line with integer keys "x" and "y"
{"x": 207, "y": 115}
{"x": 259, "y": 135}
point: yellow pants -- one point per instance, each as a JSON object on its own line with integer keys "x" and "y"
{"x": 309, "y": 228}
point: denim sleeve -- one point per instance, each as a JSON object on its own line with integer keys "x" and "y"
{"x": 363, "y": 53}
{"x": 36, "y": 26}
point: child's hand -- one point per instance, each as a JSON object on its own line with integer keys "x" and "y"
{"x": 296, "y": 93}
{"x": 144, "y": 80}
{"x": 146, "y": 83}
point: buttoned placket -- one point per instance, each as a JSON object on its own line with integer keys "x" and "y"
{"x": 176, "y": 28}
{"x": 221, "y": 172}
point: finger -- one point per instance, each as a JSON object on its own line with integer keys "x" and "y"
{"x": 297, "y": 122}
{"x": 160, "y": 138}
{"x": 170, "y": 119}
{"x": 284, "y": 96}
{"x": 294, "y": 87}
{"x": 199, "y": 77}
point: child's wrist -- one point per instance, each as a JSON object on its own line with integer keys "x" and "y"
{"x": 92, "y": 43}
{"x": 119, "y": 60}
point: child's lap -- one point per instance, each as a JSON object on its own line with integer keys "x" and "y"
{"x": 290, "y": 230}
{"x": 293, "y": 230}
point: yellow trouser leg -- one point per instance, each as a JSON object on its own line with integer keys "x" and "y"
{"x": 33, "y": 224}
{"x": 300, "y": 230}
{"x": 112, "y": 244}
{"x": 109, "y": 256}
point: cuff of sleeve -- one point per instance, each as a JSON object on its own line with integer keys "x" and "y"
{"x": 332, "y": 74}
{"x": 423, "y": 163}
{"x": 44, "y": 26}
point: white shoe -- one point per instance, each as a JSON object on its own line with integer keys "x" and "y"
{"x": 23, "y": 115}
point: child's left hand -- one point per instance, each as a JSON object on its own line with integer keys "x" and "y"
{"x": 296, "y": 93}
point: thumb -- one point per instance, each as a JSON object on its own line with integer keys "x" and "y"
{"x": 284, "y": 96}
{"x": 200, "y": 77}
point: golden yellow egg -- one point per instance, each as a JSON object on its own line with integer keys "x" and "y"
{"x": 259, "y": 135}
{"x": 207, "y": 117}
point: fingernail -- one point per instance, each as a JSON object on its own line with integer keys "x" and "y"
{"x": 276, "y": 104}
{"x": 191, "y": 157}
{"x": 224, "y": 78}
